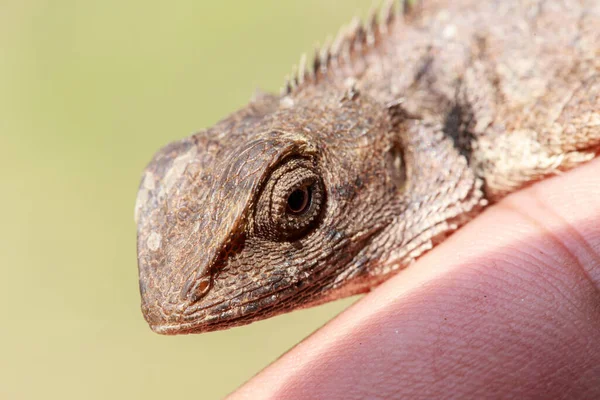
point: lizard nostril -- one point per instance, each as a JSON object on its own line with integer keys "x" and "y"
{"x": 203, "y": 286}
{"x": 194, "y": 291}
{"x": 200, "y": 290}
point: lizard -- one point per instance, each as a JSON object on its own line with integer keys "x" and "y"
{"x": 397, "y": 133}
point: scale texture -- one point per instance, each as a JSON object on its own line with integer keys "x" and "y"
{"x": 397, "y": 133}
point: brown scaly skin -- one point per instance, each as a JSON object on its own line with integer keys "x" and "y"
{"x": 398, "y": 134}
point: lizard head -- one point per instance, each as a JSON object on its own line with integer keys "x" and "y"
{"x": 297, "y": 199}
{"x": 275, "y": 207}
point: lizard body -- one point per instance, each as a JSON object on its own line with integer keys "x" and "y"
{"x": 397, "y": 134}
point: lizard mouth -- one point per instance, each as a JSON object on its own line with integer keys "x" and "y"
{"x": 174, "y": 329}
{"x": 209, "y": 324}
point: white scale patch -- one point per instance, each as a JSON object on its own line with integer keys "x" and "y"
{"x": 176, "y": 170}
{"x": 142, "y": 196}
{"x": 149, "y": 184}
{"x": 154, "y": 241}
{"x": 287, "y": 102}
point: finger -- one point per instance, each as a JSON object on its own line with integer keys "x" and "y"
{"x": 509, "y": 306}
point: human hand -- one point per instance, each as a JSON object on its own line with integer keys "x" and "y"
{"x": 507, "y": 307}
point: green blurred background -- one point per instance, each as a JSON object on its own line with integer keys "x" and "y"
{"x": 89, "y": 90}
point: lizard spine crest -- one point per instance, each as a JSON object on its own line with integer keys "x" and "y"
{"x": 353, "y": 42}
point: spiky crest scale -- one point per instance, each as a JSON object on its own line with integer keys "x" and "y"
{"x": 351, "y": 42}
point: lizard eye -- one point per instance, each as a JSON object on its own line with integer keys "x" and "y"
{"x": 291, "y": 201}
{"x": 299, "y": 201}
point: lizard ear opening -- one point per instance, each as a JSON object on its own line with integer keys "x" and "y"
{"x": 291, "y": 202}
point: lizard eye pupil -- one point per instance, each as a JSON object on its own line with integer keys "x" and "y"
{"x": 299, "y": 200}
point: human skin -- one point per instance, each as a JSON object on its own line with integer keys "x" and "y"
{"x": 507, "y": 307}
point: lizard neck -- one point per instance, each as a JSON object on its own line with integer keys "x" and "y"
{"x": 442, "y": 193}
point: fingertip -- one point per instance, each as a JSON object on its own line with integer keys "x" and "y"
{"x": 508, "y": 306}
